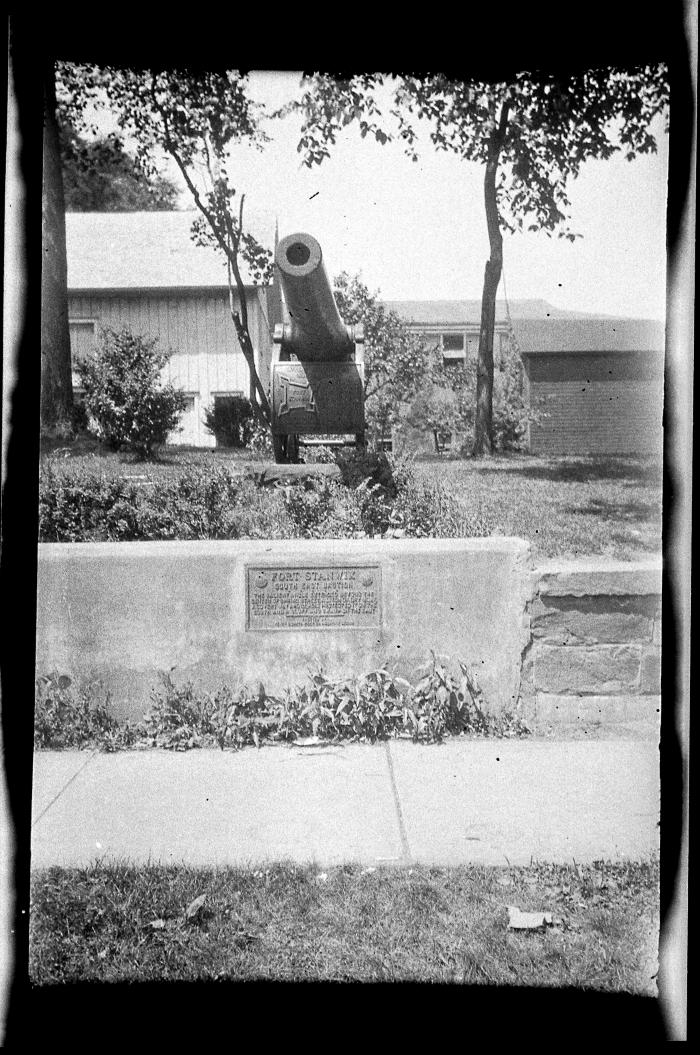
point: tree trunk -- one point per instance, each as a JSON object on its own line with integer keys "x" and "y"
{"x": 56, "y": 379}
{"x": 483, "y": 417}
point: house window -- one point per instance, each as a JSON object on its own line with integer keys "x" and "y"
{"x": 453, "y": 347}
{"x": 82, "y": 338}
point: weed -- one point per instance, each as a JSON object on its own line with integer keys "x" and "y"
{"x": 64, "y": 720}
{"x": 375, "y": 706}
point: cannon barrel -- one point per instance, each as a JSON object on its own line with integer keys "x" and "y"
{"x": 315, "y": 331}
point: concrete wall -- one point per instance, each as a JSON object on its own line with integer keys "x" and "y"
{"x": 578, "y": 645}
{"x": 120, "y": 612}
{"x": 595, "y": 403}
{"x": 595, "y": 648}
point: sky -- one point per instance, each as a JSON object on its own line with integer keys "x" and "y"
{"x": 417, "y": 230}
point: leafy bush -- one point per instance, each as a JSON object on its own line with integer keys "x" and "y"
{"x": 448, "y": 403}
{"x": 318, "y": 455}
{"x": 64, "y": 720}
{"x": 511, "y": 414}
{"x": 425, "y": 507}
{"x": 397, "y": 362}
{"x": 124, "y": 395}
{"x": 260, "y": 440}
{"x": 231, "y": 419}
{"x": 322, "y": 508}
{"x": 77, "y": 505}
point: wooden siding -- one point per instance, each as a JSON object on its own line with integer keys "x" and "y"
{"x": 198, "y": 328}
{"x": 595, "y": 404}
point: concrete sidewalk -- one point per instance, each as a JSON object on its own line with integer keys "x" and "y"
{"x": 464, "y": 801}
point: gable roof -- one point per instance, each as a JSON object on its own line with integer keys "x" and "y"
{"x": 589, "y": 335}
{"x": 454, "y": 312}
{"x": 140, "y": 250}
{"x": 540, "y": 327}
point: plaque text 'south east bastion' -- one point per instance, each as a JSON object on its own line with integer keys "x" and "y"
{"x": 288, "y": 598}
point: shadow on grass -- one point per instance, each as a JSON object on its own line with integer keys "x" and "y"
{"x": 627, "y": 470}
{"x": 165, "y": 455}
{"x": 641, "y": 513}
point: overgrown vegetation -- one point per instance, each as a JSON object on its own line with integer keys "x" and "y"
{"x": 376, "y": 497}
{"x": 446, "y": 403}
{"x": 65, "y": 717}
{"x": 564, "y": 506}
{"x": 287, "y": 922}
{"x": 370, "y": 707}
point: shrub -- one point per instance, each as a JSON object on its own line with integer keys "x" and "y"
{"x": 425, "y": 507}
{"x": 319, "y": 455}
{"x": 231, "y": 419}
{"x": 379, "y": 495}
{"x": 260, "y": 440}
{"x": 322, "y": 508}
{"x": 124, "y": 395}
{"x": 447, "y": 406}
{"x": 76, "y": 505}
{"x": 510, "y": 412}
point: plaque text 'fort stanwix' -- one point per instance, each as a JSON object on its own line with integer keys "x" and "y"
{"x": 319, "y": 597}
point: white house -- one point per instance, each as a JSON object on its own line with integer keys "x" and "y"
{"x": 142, "y": 269}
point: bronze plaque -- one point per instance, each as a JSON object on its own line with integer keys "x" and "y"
{"x": 319, "y": 597}
{"x": 317, "y": 398}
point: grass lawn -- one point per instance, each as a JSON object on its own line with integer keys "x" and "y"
{"x": 565, "y": 507}
{"x": 291, "y": 923}
{"x": 569, "y": 507}
{"x": 87, "y": 453}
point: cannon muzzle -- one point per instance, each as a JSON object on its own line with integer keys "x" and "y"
{"x": 315, "y": 331}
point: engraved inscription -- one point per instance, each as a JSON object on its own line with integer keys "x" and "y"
{"x": 318, "y": 397}
{"x": 286, "y": 598}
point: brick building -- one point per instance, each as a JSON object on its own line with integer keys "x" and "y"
{"x": 594, "y": 384}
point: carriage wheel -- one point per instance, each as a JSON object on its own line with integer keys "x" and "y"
{"x": 285, "y": 449}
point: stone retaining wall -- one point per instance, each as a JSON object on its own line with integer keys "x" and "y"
{"x": 578, "y": 644}
{"x": 594, "y": 655}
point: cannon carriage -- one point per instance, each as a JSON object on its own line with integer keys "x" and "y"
{"x": 317, "y": 373}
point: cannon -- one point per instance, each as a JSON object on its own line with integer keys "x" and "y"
{"x": 317, "y": 375}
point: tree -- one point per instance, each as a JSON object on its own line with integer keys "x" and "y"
{"x": 436, "y": 410}
{"x": 194, "y": 117}
{"x": 531, "y": 133}
{"x": 397, "y": 362}
{"x": 100, "y": 176}
{"x": 56, "y": 398}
